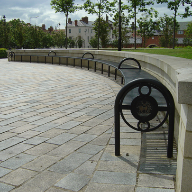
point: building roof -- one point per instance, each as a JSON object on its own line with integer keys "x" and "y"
{"x": 80, "y": 24}
{"x": 183, "y": 25}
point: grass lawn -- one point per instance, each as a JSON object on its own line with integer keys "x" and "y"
{"x": 184, "y": 53}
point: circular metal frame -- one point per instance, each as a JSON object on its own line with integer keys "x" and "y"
{"x": 149, "y": 109}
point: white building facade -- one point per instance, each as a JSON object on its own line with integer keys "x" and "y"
{"x": 81, "y": 29}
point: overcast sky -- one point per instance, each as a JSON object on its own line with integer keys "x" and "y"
{"x": 39, "y": 12}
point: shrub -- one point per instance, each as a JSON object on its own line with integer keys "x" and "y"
{"x": 188, "y": 47}
{"x": 3, "y": 53}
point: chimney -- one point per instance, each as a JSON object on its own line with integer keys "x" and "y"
{"x": 50, "y": 29}
{"x": 75, "y": 22}
{"x": 69, "y": 20}
{"x": 43, "y": 26}
{"x": 85, "y": 19}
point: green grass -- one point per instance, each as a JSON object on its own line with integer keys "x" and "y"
{"x": 177, "y": 52}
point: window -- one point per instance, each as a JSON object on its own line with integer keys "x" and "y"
{"x": 180, "y": 32}
{"x": 91, "y": 30}
{"x": 69, "y": 30}
{"x": 88, "y": 38}
{"x": 79, "y": 30}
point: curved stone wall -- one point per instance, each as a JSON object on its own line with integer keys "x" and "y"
{"x": 176, "y": 74}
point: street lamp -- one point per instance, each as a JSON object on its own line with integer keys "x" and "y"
{"x": 4, "y": 18}
{"x": 99, "y": 25}
{"x": 5, "y": 32}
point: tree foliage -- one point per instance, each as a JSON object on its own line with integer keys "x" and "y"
{"x": 124, "y": 29}
{"x": 79, "y": 41}
{"x": 147, "y": 27}
{"x": 166, "y": 24}
{"x": 188, "y": 39}
{"x": 93, "y": 42}
{"x": 175, "y": 4}
{"x": 104, "y": 6}
{"x": 18, "y": 34}
{"x": 103, "y": 30}
{"x": 65, "y": 6}
{"x": 136, "y": 6}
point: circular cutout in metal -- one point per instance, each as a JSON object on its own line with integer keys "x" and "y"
{"x": 144, "y": 108}
{"x": 143, "y": 126}
{"x": 145, "y": 90}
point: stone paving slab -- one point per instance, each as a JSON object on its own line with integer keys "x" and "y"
{"x": 57, "y": 134}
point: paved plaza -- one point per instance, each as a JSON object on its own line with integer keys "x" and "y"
{"x": 57, "y": 134}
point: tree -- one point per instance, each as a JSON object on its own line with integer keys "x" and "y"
{"x": 59, "y": 38}
{"x": 136, "y": 6}
{"x": 79, "y": 41}
{"x": 147, "y": 27}
{"x": 4, "y": 37}
{"x": 93, "y": 42}
{"x": 174, "y": 5}
{"x": 103, "y": 30}
{"x": 18, "y": 33}
{"x": 188, "y": 39}
{"x": 104, "y": 6}
{"x": 124, "y": 29}
{"x": 166, "y": 24}
{"x": 48, "y": 40}
{"x": 65, "y": 6}
{"x": 71, "y": 43}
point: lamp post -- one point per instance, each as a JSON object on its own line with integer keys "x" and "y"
{"x": 119, "y": 40}
{"x": 135, "y": 27}
{"x": 4, "y": 35}
{"x": 175, "y": 14}
{"x": 66, "y": 30}
{"x": 99, "y": 25}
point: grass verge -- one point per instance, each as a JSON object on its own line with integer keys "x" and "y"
{"x": 178, "y": 52}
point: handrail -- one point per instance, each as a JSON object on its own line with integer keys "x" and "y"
{"x": 129, "y": 58}
{"x": 88, "y": 53}
{"x": 51, "y": 52}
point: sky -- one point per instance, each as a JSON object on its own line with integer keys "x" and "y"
{"x": 38, "y": 12}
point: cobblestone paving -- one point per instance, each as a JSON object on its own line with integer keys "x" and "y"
{"x": 56, "y": 134}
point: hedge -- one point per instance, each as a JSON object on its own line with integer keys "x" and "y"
{"x": 3, "y": 53}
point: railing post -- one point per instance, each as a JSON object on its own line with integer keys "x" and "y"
{"x": 109, "y": 71}
{"x": 117, "y": 128}
{"x": 95, "y": 67}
